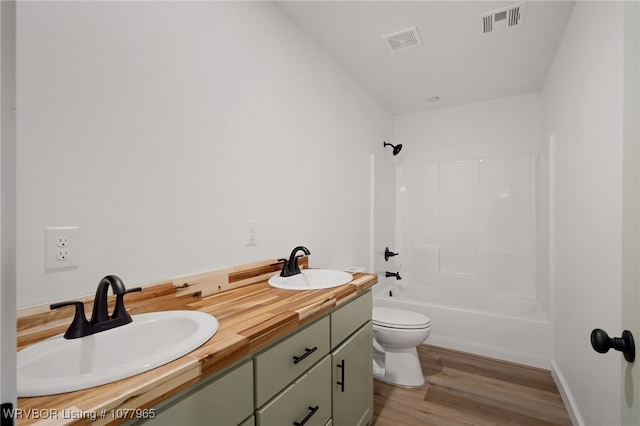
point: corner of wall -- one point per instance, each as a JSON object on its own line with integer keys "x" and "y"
{"x": 8, "y": 204}
{"x": 565, "y": 393}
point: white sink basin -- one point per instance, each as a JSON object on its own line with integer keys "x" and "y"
{"x": 58, "y": 365}
{"x": 311, "y": 279}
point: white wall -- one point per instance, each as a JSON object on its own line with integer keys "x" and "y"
{"x": 7, "y": 204}
{"x": 500, "y": 127}
{"x": 582, "y": 107}
{"x": 160, "y": 128}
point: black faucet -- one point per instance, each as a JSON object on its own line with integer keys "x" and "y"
{"x": 290, "y": 267}
{"x": 100, "y": 313}
{"x": 393, "y": 274}
{"x": 100, "y": 319}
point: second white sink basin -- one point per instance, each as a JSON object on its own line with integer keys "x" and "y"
{"x": 311, "y": 279}
{"x": 58, "y": 365}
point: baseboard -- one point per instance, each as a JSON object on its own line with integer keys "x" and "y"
{"x": 524, "y": 358}
{"x": 566, "y": 395}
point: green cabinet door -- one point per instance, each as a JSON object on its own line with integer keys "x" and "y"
{"x": 352, "y": 376}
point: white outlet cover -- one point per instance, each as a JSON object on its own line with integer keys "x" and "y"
{"x": 59, "y": 256}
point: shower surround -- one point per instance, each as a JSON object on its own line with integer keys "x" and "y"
{"x": 471, "y": 226}
{"x": 466, "y": 231}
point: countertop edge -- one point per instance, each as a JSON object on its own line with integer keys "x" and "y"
{"x": 109, "y": 403}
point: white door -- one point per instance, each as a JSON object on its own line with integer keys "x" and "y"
{"x": 631, "y": 213}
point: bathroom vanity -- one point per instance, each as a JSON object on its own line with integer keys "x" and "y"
{"x": 279, "y": 357}
{"x": 321, "y": 373}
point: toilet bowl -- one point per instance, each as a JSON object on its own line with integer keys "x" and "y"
{"x": 396, "y": 333}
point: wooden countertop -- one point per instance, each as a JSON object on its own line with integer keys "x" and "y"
{"x": 251, "y": 315}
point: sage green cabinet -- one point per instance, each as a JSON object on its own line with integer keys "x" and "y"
{"x": 279, "y": 365}
{"x": 349, "y": 317}
{"x": 333, "y": 385}
{"x": 222, "y": 401}
{"x": 306, "y": 401}
{"x": 249, "y": 422}
{"x": 353, "y": 379}
{"x": 322, "y": 372}
{"x": 352, "y": 363}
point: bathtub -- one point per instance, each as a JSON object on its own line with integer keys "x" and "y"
{"x": 498, "y": 326}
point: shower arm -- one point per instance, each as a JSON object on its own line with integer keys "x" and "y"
{"x": 396, "y": 148}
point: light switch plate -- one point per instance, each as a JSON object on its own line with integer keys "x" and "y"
{"x": 252, "y": 233}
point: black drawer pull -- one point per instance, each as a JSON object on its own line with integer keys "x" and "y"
{"x": 341, "y": 382}
{"x": 306, "y": 419}
{"x": 307, "y": 352}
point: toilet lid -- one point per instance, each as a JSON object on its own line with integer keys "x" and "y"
{"x": 399, "y": 318}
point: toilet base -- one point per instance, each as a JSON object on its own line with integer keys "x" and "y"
{"x": 401, "y": 367}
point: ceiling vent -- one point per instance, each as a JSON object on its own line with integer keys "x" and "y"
{"x": 403, "y": 40}
{"x": 501, "y": 19}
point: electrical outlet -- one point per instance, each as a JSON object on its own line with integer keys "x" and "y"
{"x": 61, "y": 248}
{"x": 252, "y": 236}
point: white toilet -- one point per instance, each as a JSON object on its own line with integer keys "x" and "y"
{"x": 396, "y": 333}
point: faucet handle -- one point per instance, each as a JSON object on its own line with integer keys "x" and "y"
{"x": 388, "y": 253}
{"x": 291, "y": 267}
{"x": 79, "y": 324}
{"x": 120, "y": 311}
{"x": 285, "y": 265}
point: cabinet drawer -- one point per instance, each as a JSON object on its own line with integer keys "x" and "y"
{"x": 281, "y": 364}
{"x": 308, "y": 397}
{"x": 349, "y": 318}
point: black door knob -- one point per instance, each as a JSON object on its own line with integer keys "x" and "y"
{"x": 601, "y": 342}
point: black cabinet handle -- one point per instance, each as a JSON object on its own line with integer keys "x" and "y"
{"x": 601, "y": 342}
{"x": 341, "y": 382}
{"x": 306, "y": 419}
{"x": 307, "y": 352}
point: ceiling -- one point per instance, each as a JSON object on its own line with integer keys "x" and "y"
{"x": 455, "y": 62}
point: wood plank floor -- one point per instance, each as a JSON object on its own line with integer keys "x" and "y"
{"x": 466, "y": 389}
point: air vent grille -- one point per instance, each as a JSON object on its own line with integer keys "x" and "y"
{"x": 402, "y": 40}
{"x": 501, "y": 19}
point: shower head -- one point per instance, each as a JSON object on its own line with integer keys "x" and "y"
{"x": 396, "y": 148}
